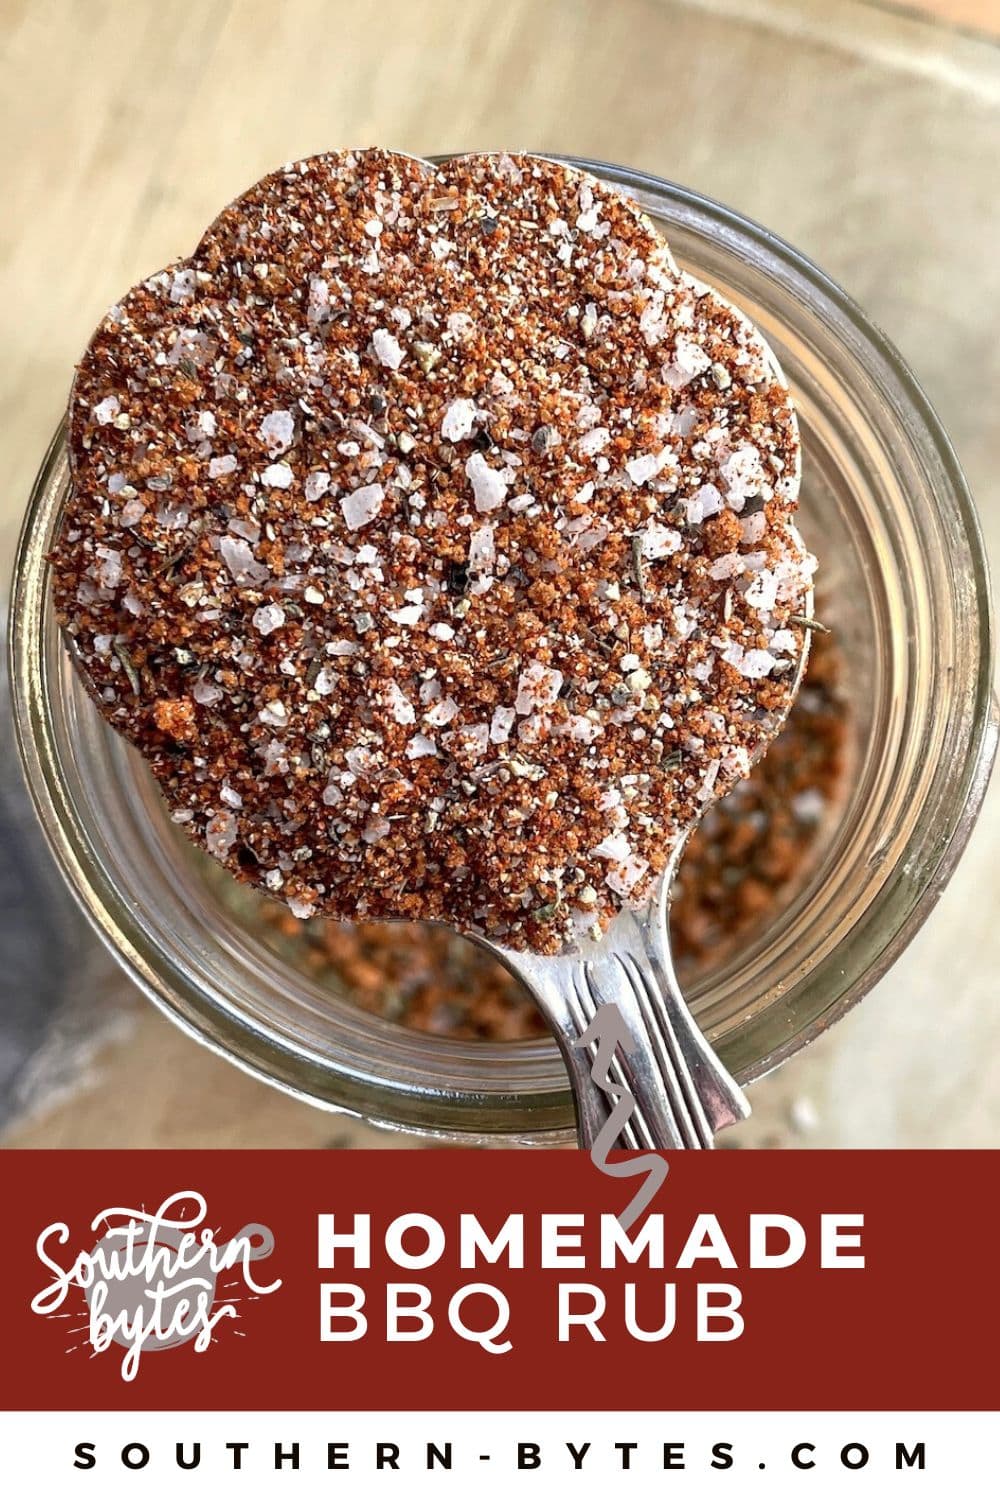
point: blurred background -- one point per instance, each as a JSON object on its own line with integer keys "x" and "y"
{"x": 867, "y": 135}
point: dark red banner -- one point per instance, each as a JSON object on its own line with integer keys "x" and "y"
{"x": 714, "y": 1327}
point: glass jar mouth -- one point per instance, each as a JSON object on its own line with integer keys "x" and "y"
{"x": 923, "y": 634}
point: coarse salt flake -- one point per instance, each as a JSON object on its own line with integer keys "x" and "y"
{"x": 625, "y": 876}
{"x": 653, "y": 322}
{"x": 274, "y": 713}
{"x": 277, "y": 477}
{"x": 537, "y": 687}
{"x": 471, "y": 741}
{"x": 763, "y": 591}
{"x": 689, "y": 361}
{"x": 705, "y": 502}
{"x": 458, "y": 421}
{"x": 183, "y": 285}
{"x": 109, "y": 571}
{"x": 501, "y": 725}
{"x": 460, "y": 325}
{"x": 318, "y": 305}
{"x": 359, "y": 759}
{"x": 659, "y": 541}
{"x": 489, "y": 487}
{"x": 580, "y": 729}
{"x": 399, "y": 705}
{"x": 387, "y": 349}
{"x": 268, "y": 618}
{"x": 729, "y": 565}
{"x": 482, "y": 549}
{"x": 742, "y": 474}
{"x": 316, "y": 485}
{"x": 753, "y": 527}
{"x": 206, "y": 693}
{"x": 442, "y": 712}
{"x": 408, "y": 614}
{"x": 593, "y": 441}
{"x": 646, "y": 467}
{"x": 239, "y": 559}
{"x": 220, "y": 833}
{"x": 105, "y": 411}
{"x": 751, "y": 664}
{"x": 362, "y": 506}
{"x": 277, "y": 431}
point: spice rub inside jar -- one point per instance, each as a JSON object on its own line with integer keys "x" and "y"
{"x": 431, "y": 536}
{"x": 742, "y": 866}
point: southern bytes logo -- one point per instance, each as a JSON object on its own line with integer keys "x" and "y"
{"x": 153, "y": 1281}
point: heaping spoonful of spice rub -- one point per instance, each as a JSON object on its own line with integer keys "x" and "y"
{"x": 431, "y": 536}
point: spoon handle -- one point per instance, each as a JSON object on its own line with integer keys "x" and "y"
{"x": 618, "y": 1015}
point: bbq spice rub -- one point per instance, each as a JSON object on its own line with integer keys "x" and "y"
{"x": 431, "y": 538}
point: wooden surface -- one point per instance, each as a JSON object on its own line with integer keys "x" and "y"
{"x": 867, "y": 136}
{"x": 977, "y": 15}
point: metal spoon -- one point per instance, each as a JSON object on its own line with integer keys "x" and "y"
{"x": 682, "y": 1093}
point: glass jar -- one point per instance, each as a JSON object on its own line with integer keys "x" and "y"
{"x": 904, "y": 576}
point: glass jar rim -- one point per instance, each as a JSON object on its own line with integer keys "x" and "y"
{"x": 971, "y": 748}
